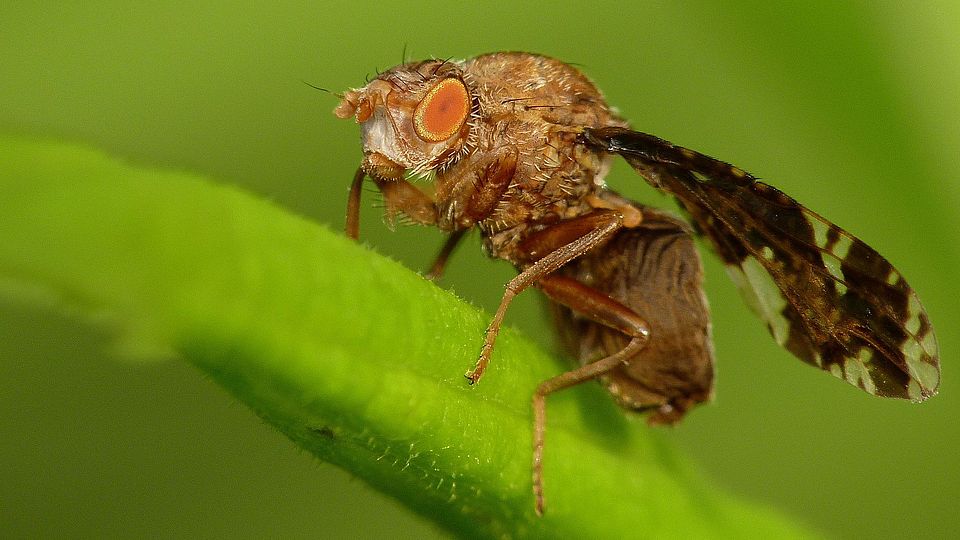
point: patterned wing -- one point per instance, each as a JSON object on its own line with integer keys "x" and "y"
{"x": 827, "y": 297}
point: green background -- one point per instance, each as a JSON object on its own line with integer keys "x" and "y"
{"x": 851, "y": 108}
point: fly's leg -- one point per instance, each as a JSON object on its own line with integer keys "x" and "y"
{"x": 487, "y": 188}
{"x": 600, "y": 308}
{"x": 440, "y": 262}
{"x": 402, "y": 197}
{"x": 599, "y": 225}
{"x": 352, "y": 227}
{"x": 399, "y": 195}
{"x": 480, "y": 194}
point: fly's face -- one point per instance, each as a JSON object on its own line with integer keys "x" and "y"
{"x": 414, "y": 119}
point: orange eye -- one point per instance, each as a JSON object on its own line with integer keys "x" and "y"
{"x": 443, "y": 111}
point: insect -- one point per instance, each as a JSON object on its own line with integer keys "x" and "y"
{"x": 517, "y": 145}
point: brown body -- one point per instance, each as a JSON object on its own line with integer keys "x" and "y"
{"x": 512, "y": 168}
{"x": 517, "y": 145}
{"x": 518, "y": 174}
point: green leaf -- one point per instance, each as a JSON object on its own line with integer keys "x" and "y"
{"x": 357, "y": 359}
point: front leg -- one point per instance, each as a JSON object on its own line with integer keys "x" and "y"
{"x": 471, "y": 198}
{"x": 402, "y": 197}
{"x": 471, "y": 190}
{"x": 399, "y": 195}
{"x": 440, "y": 261}
{"x": 352, "y": 226}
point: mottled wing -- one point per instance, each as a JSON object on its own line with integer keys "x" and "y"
{"x": 826, "y": 296}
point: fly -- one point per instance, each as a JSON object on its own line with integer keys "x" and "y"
{"x": 517, "y": 145}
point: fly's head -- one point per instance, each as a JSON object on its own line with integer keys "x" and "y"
{"x": 414, "y": 119}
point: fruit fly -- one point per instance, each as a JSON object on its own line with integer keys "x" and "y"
{"x": 517, "y": 145}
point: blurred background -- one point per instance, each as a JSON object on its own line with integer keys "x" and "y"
{"x": 850, "y": 107}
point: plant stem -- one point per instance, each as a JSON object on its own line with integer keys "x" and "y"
{"x": 354, "y": 357}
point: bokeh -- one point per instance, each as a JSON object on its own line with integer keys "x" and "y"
{"x": 850, "y": 107}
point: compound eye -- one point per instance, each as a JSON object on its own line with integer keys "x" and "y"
{"x": 442, "y": 111}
